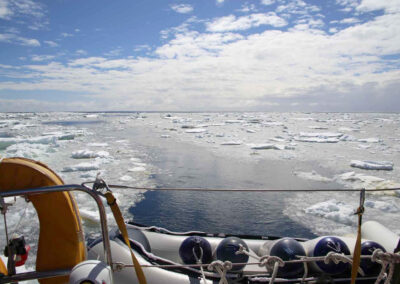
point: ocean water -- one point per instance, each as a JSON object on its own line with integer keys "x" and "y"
{"x": 217, "y": 150}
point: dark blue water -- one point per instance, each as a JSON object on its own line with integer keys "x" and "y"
{"x": 183, "y": 165}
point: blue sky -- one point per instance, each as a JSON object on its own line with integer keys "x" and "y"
{"x": 264, "y": 55}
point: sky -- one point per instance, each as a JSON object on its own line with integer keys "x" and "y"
{"x": 205, "y": 55}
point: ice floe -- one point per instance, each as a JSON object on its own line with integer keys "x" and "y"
{"x": 32, "y": 151}
{"x": 82, "y": 167}
{"x": 358, "y": 180}
{"x": 196, "y": 130}
{"x": 313, "y": 175}
{"x": 318, "y": 137}
{"x": 268, "y": 146}
{"x": 137, "y": 169}
{"x": 385, "y": 206}
{"x": 369, "y": 140}
{"x": 87, "y": 154}
{"x": 126, "y": 178}
{"x": 231, "y": 143}
{"x": 372, "y": 165}
{"x": 334, "y": 210}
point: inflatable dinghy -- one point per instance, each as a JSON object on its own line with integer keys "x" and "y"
{"x": 134, "y": 253}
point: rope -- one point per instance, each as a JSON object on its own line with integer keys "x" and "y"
{"x": 357, "y": 248}
{"x": 222, "y": 268}
{"x": 198, "y": 261}
{"x": 112, "y": 202}
{"x": 385, "y": 259}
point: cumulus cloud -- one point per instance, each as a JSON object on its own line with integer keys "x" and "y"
{"x": 233, "y": 23}
{"x": 51, "y": 43}
{"x": 267, "y": 2}
{"x": 373, "y": 5}
{"x": 19, "y": 40}
{"x": 182, "y": 8}
{"x": 27, "y": 12}
{"x": 39, "y": 58}
{"x": 301, "y": 68}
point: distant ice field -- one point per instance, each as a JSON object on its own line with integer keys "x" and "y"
{"x": 225, "y": 150}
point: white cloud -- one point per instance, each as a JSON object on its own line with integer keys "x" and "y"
{"x": 267, "y": 2}
{"x": 51, "y": 43}
{"x": 81, "y": 52}
{"x": 220, "y": 2}
{"x": 349, "y": 21}
{"x": 182, "y": 8}
{"x": 39, "y": 58}
{"x": 66, "y": 35}
{"x": 247, "y": 8}
{"x": 266, "y": 70}
{"x": 373, "y": 5}
{"x": 15, "y": 39}
{"x": 233, "y": 23}
{"x": 27, "y": 12}
{"x": 5, "y": 11}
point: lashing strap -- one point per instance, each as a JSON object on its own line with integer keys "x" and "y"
{"x": 357, "y": 248}
{"x": 112, "y": 202}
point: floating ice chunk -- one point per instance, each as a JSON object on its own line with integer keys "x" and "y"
{"x": 347, "y": 138}
{"x": 98, "y": 144}
{"x": 137, "y": 169}
{"x": 91, "y": 116}
{"x": 372, "y": 165}
{"x": 364, "y": 146}
{"x": 269, "y": 147}
{"x": 60, "y": 135}
{"x": 334, "y": 210}
{"x": 185, "y": 126}
{"x": 348, "y": 129}
{"x": 317, "y": 127}
{"x": 27, "y": 150}
{"x": 126, "y": 178}
{"x": 358, "y": 180}
{"x": 89, "y": 175}
{"x": 352, "y": 176}
{"x": 87, "y": 154}
{"x": 273, "y": 123}
{"x": 82, "y": 167}
{"x": 369, "y": 140}
{"x": 316, "y": 139}
{"x": 390, "y": 207}
{"x": 250, "y": 131}
{"x": 312, "y": 176}
{"x": 231, "y": 143}
{"x": 321, "y": 134}
{"x": 89, "y": 215}
{"x": 8, "y": 141}
{"x": 278, "y": 139}
{"x": 254, "y": 120}
{"x": 231, "y": 121}
{"x": 165, "y": 136}
{"x": 196, "y": 130}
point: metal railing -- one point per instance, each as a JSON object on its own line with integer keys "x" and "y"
{"x": 60, "y": 188}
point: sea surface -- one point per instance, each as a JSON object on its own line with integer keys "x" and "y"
{"x": 217, "y": 150}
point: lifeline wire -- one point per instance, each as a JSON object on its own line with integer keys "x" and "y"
{"x": 251, "y": 189}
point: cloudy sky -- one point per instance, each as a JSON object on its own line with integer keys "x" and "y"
{"x": 261, "y": 55}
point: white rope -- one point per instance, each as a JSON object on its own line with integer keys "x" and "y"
{"x": 385, "y": 259}
{"x": 338, "y": 257}
{"x": 222, "y": 268}
{"x": 199, "y": 261}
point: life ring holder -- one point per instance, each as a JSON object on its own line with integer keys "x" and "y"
{"x": 61, "y": 242}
